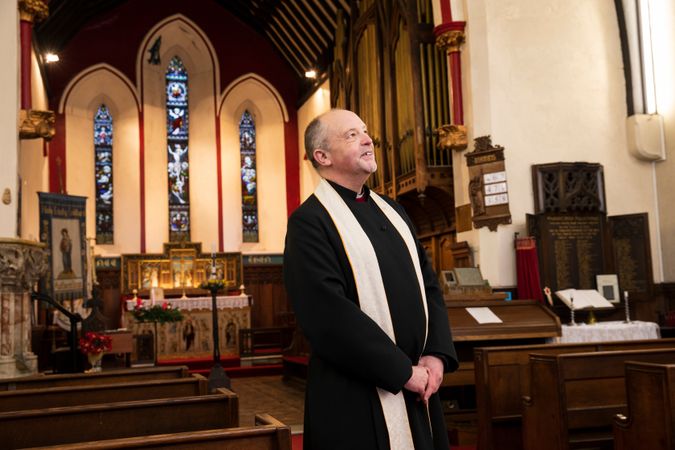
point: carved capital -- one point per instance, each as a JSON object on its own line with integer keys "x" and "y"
{"x": 452, "y": 137}
{"x": 33, "y": 10}
{"x": 36, "y": 124}
{"x": 450, "y": 40}
{"x": 22, "y": 262}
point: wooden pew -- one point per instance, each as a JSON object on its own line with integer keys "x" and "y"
{"x": 104, "y": 377}
{"x": 267, "y": 434}
{"x": 502, "y": 377}
{"x": 50, "y": 426}
{"x": 650, "y": 420}
{"x": 102, "y": 393}
{"x": 575, "y": 396}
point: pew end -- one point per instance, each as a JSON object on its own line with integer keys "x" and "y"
{"x": 575, "y": 398}
{"x": 650, "y": 418}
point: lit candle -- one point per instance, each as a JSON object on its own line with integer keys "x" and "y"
{"x": 625, "y": 297}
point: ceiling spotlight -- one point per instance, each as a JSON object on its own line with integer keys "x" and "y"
{"x": 51, "y": 57}
{"x": 310, "y": 74}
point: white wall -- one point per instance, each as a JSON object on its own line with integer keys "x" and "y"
{"x": 546, "y": 82}
{"x": 9, "y": 136}
{"x": 105, "y": 85}
{"x": 254, "y": 94}
{"x": 315, "y": 105}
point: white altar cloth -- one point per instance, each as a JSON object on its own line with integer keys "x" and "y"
{"x": 609, "y": 331}
{"x": 192, "y": 303}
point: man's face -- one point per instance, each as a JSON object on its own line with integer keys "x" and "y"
{"x": 351, "y": 149}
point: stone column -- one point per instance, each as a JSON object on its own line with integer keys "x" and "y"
{"x": 21, "y": 265}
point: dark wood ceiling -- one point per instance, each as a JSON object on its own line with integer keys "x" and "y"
{"x": 301, "y": 30}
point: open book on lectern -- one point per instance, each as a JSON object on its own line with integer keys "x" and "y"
{"x": 583, "y": 299}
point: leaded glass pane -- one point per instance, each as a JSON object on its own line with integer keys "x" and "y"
{"x": 249, "y": 192}
{"x": 177, "y": 147}
{"x": 103, "y": 168}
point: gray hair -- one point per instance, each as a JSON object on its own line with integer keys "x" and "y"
{"x": 315, "y": 137}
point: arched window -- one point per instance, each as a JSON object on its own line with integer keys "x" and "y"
{"x": 103, "y": 168}
{"x": 249, "y": 175}
{"x": 177, "y": 147}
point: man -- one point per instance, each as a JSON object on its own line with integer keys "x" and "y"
{"x": 369, "y": 303}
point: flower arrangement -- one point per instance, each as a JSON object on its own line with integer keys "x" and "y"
{"x": 157, "y": 313}
{"x": 95, "y": 343}
{"x": 213, "y": 285}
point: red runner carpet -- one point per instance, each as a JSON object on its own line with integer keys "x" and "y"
{"x": 296, "y": 444}
{"x": 231, "y": 365}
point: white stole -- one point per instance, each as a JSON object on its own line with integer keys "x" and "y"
{"x": 372, "y": 296}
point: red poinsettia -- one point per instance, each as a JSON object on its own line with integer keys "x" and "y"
{"x": 95, "y": 343}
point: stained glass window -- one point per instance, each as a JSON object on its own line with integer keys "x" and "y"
{"x": 103, "y": 168}
{"x": 177, "y": 146}
{"x": 249, "y": 195}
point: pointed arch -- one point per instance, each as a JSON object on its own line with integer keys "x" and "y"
{"x": 183, "y": 38}
{"x": 264, "y": 83}
{"x": 86, "y": 92}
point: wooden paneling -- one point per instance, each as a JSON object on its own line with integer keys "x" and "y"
{"x": 270, "y": 305}
{"x": 109, "y": 285}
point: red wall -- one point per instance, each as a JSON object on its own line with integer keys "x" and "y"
{"x": 115, "y": 37}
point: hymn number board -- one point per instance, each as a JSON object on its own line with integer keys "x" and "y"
{"x": 487, "y": 184}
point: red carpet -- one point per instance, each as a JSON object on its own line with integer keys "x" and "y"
{"x": 296, "y": 444}
{"x": 231, "y": 364}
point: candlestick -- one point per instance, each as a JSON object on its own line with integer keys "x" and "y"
{"x": 213, "y": 269}
{"x": 572, "y": 323}
{"x": 626, "y": 307}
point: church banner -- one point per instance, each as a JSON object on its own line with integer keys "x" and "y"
{"x": 63, "y": 229}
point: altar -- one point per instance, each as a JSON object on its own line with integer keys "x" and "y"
{"x": 609, "y": 331}
{"x": 177, "y": 273}
{"x": 193, "y": 336}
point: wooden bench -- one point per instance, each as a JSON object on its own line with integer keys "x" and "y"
{"x": 650, "y": 420}
{"x": 574, "y": 397}
{"x": 502, "y": 377}
{"x": 102, "y": 393}
{"x": 105, "y": 377}
{"x": 295, "y": 359}
{"x": 267, "y": 434}
{"x": 264, "y": 341}
{"x": 41, "y": 427}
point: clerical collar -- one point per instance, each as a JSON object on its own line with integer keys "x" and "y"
{"x": 348, "y": 194}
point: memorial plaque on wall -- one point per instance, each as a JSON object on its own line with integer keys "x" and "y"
{"x": 631, "y": 254}
{"x": 571, "y": 249}
{"x": 488, "y": 189}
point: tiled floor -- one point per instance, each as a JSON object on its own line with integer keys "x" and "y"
{"x": 269, "y": 394}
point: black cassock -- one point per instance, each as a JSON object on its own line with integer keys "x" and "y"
{"x": 351, "y": 354}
